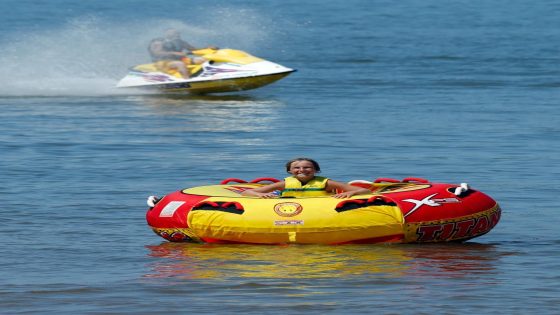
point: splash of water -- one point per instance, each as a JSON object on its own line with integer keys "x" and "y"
{"x": 87, "y": 55}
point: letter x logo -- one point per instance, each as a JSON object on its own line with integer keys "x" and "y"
{"x": 418, "y": 203}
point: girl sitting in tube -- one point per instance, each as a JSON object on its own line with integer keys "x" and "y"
{"x": 304, "y": 183}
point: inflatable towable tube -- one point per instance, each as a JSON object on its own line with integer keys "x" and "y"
{"x": 412, "y": 210}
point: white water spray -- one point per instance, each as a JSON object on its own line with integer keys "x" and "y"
{"x": 87, "y": 56}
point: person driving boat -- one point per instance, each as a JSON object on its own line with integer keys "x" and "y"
{"x": 172, "y": 52}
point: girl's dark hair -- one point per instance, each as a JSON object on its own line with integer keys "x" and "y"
{"x": 315, "y": 164}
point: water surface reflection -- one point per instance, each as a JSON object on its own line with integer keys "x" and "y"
{"x": 208, "y": 261}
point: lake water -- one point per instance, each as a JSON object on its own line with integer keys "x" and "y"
{"x": 461, "y": 91}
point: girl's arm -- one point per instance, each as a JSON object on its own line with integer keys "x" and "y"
{"x": 264, "y": 191}
{"x": 347, "y": 189}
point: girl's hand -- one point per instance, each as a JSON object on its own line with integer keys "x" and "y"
{"x": 268, "y": 195}
{"x": 344, "y": 194}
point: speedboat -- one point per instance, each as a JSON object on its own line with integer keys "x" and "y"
{"x": 225, "y": 70}
{"x": 412, "y": 210}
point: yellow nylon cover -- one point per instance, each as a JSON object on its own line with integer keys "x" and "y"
{"x": 293, "y": 220}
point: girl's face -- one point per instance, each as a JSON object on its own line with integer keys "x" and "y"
{"x": 304, "y": 171}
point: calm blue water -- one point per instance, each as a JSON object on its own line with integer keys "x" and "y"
{"x": 462, "y": 91}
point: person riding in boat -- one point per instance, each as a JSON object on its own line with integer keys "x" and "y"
{"x": 304, "y": 183}
{"x": 172, "y": 52}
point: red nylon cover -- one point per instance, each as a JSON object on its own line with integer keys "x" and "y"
{"x": 176, "y": 218}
